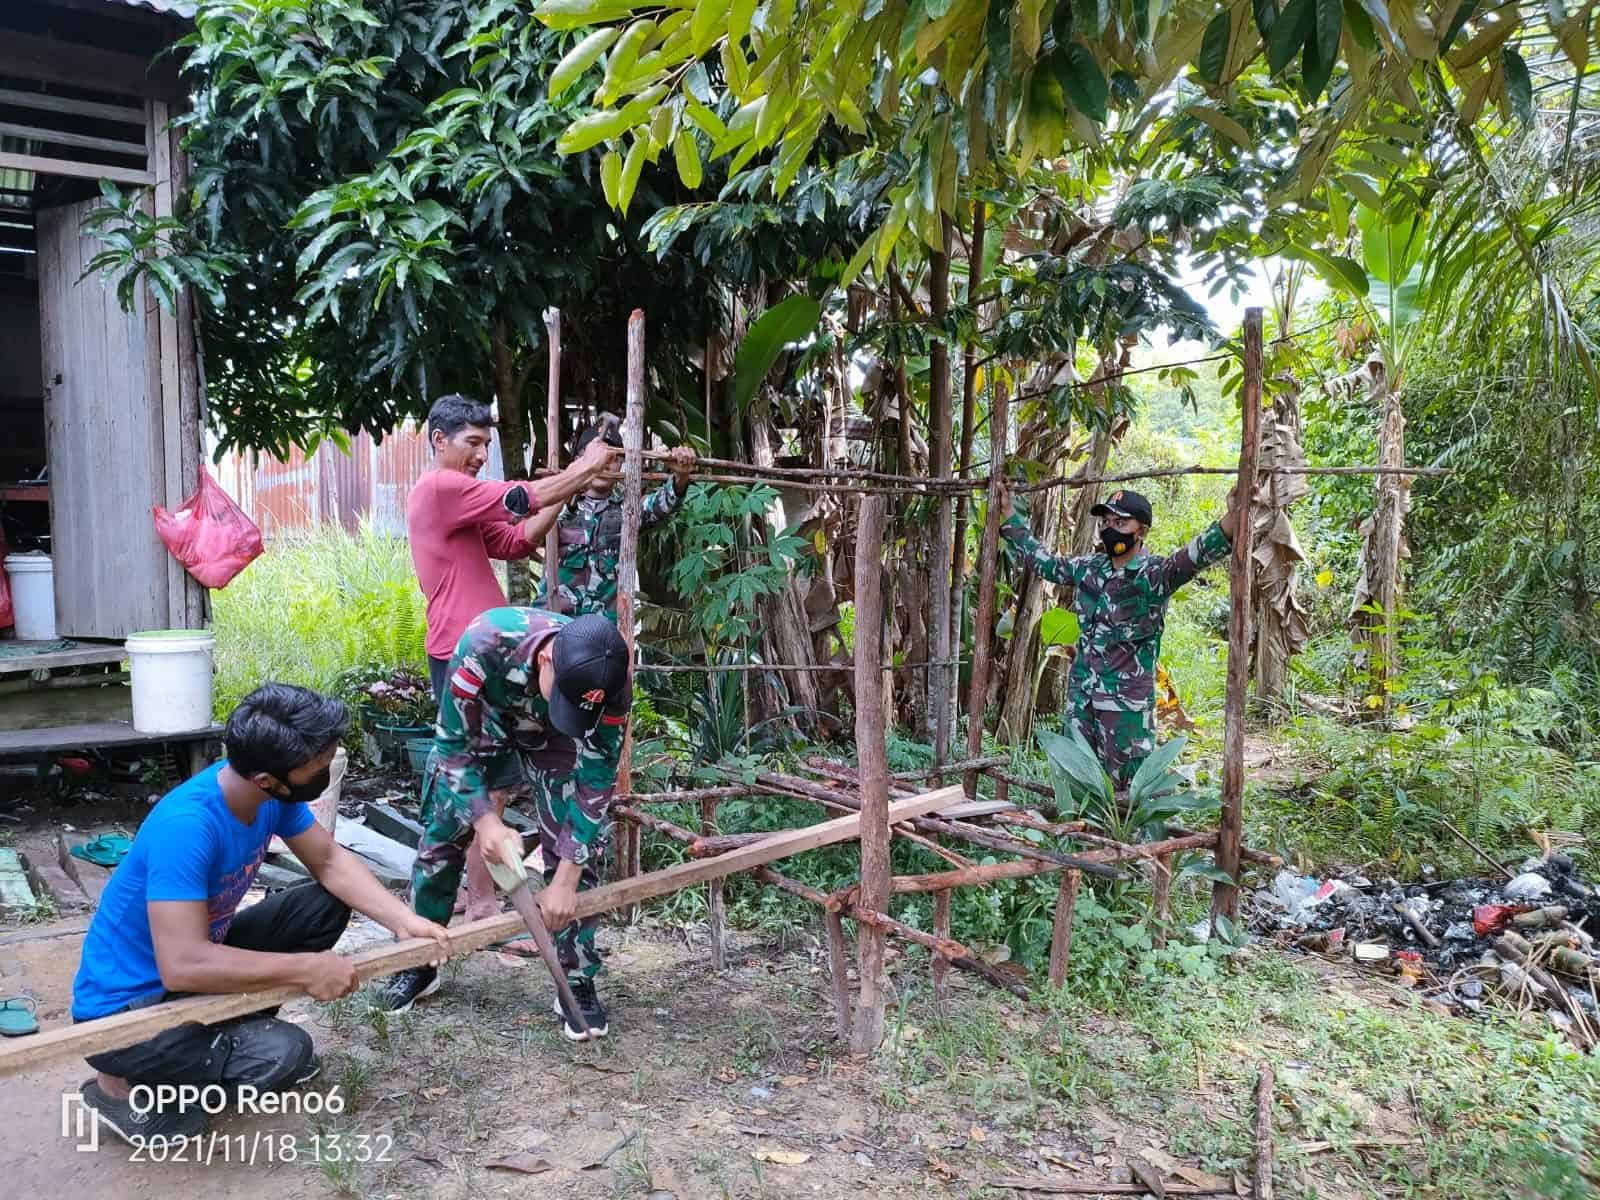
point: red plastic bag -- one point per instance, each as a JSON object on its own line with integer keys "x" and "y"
{"x": 7, "y": 615}
{"x": 210, "y": 535}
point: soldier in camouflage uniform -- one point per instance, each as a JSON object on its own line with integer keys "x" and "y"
{"x": 589, "y": 531}
{"x": 1120, "y": 596}
{"x": 537, "y": 695}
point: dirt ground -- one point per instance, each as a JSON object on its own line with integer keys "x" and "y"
{"x": 710, "y": 1085}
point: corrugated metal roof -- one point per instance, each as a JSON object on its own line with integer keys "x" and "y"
{"x": 177, "y": 8}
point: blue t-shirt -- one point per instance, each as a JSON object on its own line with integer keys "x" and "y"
{"x": 190, "y": 847}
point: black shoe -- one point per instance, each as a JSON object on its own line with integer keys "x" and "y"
{"x": 142, "y": 1128}
{"x": 594, "y": 1013}
{"x": 403, "y": 989}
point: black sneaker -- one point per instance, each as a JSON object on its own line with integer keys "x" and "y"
{"x": 403, "y": 989}
{"x": 594, "y": 1013}
{"x": 146, "y": 1127}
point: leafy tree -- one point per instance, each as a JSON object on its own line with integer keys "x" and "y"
{"x": 379, "y": 215}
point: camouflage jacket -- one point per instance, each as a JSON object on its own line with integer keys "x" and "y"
{"x": 492, "y": 710}
{"x": 589, "y": 535}
{"x": 1121, "y": 613}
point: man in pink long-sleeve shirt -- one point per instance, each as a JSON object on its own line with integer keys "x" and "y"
{"x": 457, "y": 522}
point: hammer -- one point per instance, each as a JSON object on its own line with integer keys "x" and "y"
{"x": 514, "y": 882}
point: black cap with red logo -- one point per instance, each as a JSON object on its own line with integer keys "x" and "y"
{"x": 591, "y": 666}
{"x": 1125, "y": 504}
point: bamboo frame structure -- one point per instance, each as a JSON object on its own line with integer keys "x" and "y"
{"x": 873, "y": 806}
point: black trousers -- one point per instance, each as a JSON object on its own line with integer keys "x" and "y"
{"x": 257, "y": 1049}
{"x": 438, "y": 676}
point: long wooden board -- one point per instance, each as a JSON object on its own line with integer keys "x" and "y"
{"x": 125, "y": 1029}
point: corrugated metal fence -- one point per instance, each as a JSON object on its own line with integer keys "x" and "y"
{"x": 371, "y": 483}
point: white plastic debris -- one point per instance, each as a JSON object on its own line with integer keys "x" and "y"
{"x": 1371, "y": 952}
{"x": 1297, "y": 895}
{"x": 1528, "y": 886}
{"x": 1513, "y": 978}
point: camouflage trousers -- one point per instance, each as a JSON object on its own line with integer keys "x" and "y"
{"x": 1121, "y": 738}
{"x": 447, "y": 834}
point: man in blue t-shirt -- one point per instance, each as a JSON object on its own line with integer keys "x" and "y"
{"x": 169, "y": 923}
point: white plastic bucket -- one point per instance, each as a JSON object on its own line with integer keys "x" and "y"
{"x": 171, "y": 671}
{"x": 33, "y": 595}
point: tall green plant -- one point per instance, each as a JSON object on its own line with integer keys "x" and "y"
{"x": 1084, "y": 791}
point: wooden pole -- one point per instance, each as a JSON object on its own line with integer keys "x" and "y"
{"x": 628, "y": 559}
{"x": 1261, "y": 1186}
{"x": 969, "y": 423}
{"x": 983, "y": 633}
{"x": 838, "y": 973}
{"x": 715, "y": 900}
{"x": 941, "y": 679}
{"x": 1161, "y": 901}
{"x": 1230, "y": 831}
{"x": 1061, "y": 932}
{"x": 128, "y": 1028}
{"x": 872, "y": 753}
{"x": 552, "y": 445}
{"x": 941, "y": 930}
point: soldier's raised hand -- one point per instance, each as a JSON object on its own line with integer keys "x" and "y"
{"x": 681, "y": 462}
{"x": 1008, "y": 507}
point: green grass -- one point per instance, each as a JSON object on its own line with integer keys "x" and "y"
{"x": 1489, "y": 1110}
{"x": 315, "y": 606}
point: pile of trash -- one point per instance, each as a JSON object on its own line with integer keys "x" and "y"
{"x": 1528, "y": 942}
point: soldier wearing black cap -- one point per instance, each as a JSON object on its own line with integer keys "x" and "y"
{"x": 537, "y": 696}
{"x": 1120, "y": 596}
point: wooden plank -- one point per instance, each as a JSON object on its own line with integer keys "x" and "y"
{"x": 37, "y": 492}
{"x": 125, "y": 1029}
{"x": 871, "y": 729}
{"x": 50, "y": 660}
{"x": 52, "y": 708}
{"x": 73, "y": 169}
{"x": 65, "y": 137}
{"x": 92, "y": 735}
{"x": 127, "y": 114}
{"x": 103, "y": 440}
{"x": 1230, "y": 829}
{"x": 50, "y": 60}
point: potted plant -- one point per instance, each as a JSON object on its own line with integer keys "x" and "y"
{"x": 400, "y": 709}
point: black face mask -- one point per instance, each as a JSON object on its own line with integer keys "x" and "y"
{"x": 305, "y": 793}
{"x": 1116, "y": 543}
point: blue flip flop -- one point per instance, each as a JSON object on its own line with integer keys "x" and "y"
{"x": 107, "y": 850}
{"x": 17, "y": 1016}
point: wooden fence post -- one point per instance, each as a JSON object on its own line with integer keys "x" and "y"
{"x": 628, "y": 558}
{"x": 1230, "y": 832}
{"x": 941, "y": 930}
{"x": 988, "y": 553}
{"x": 1061, "y": 932}
{"x": 873, "y": 757}
{"x": 715, "y": 903}
{"x": 552, "y": 449}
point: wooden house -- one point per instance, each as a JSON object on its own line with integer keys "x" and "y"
{"x": 100, "y": 409}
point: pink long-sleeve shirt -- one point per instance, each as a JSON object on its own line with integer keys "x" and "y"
{"x": 456, "y": 524}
